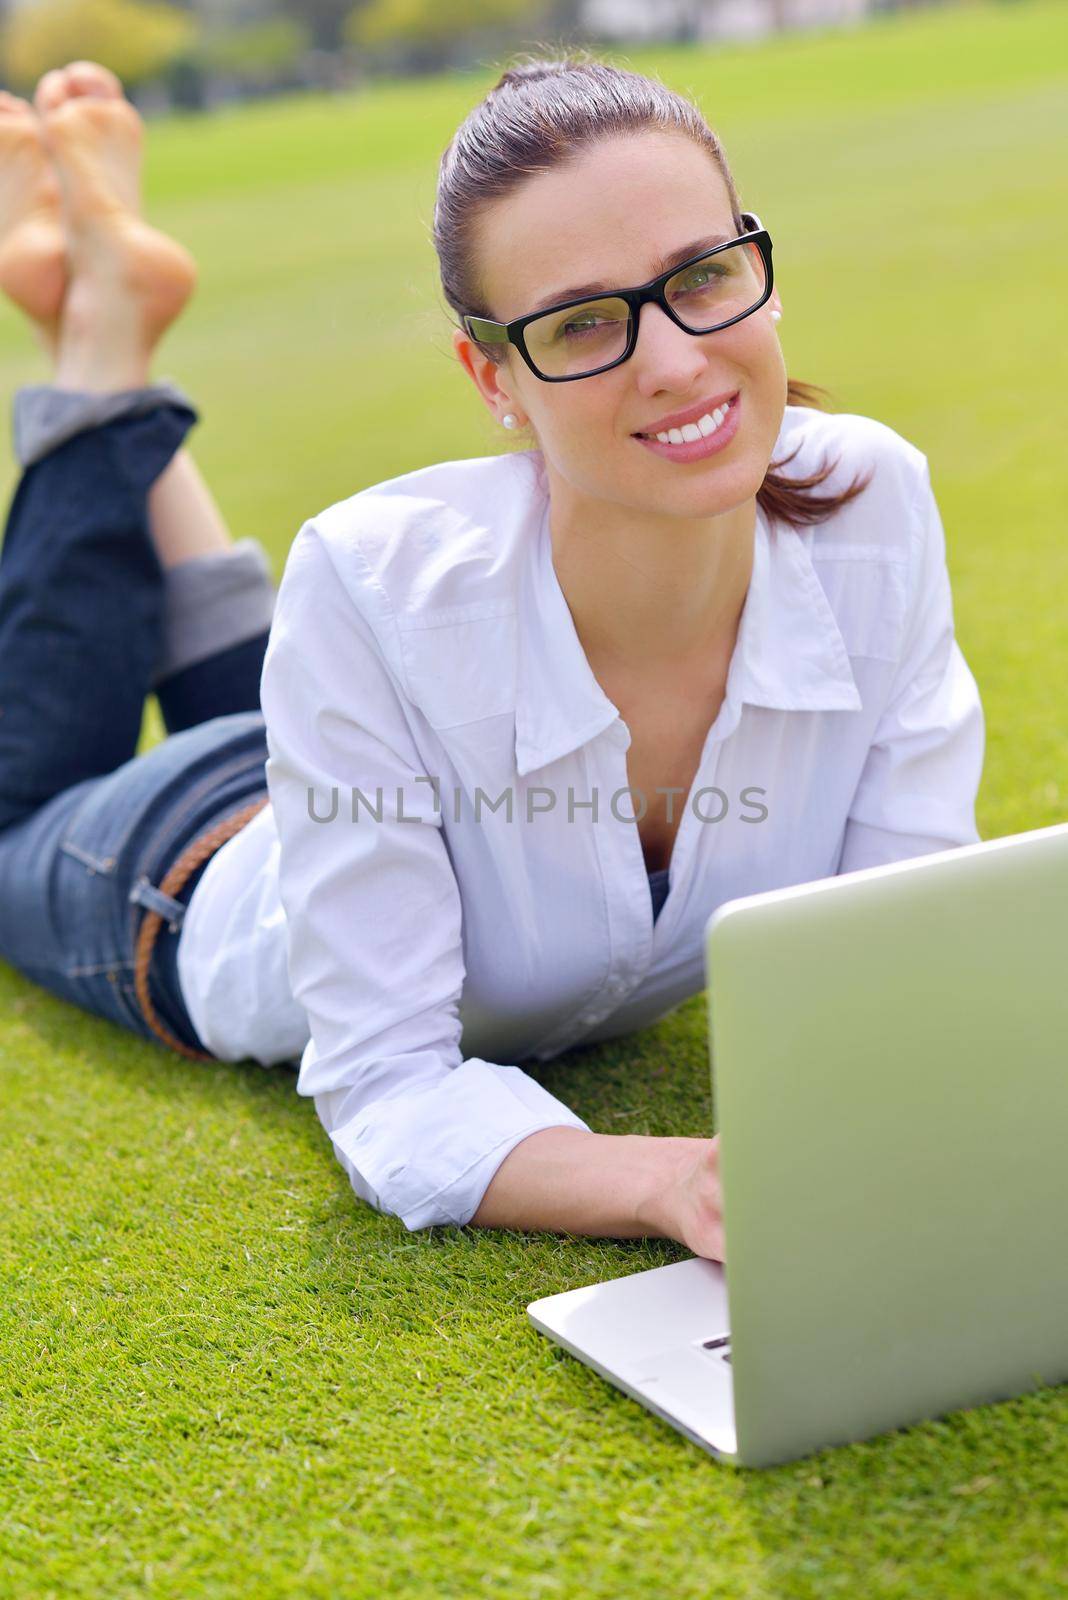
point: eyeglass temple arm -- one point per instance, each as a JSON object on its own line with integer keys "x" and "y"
{"x": 486, "y": 332}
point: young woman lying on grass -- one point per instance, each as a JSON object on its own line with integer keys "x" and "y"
{"x": 527, "y": 720}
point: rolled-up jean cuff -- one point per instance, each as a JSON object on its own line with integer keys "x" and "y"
{"x": 212, "y": 602}
{"x": 44, "y": 417}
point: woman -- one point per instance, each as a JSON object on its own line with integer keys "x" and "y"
{"x": 529, "y": 718}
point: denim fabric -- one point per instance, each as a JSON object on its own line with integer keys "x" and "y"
{"x": 226, "y": 682}
{"x": 658, "y": 889}
{"x": 86, "y": 825}
{"x": 44, "y": 417}
{"x": 214, "y": 602}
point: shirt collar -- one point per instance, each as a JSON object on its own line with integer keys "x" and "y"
{"x": 789, "y": 653}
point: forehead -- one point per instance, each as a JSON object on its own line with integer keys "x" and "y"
{"x": 606, "y": 217}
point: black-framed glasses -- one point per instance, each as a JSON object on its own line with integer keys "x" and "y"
{"x": 580, "y": 337}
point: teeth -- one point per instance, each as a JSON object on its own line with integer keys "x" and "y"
{"x": 695, "y": 430}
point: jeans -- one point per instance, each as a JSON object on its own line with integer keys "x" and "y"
{"x": 88, "y": 827}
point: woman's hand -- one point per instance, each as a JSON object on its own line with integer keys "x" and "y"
{"x": 623, "y": 1185}
{"x": 687, "y": 1205}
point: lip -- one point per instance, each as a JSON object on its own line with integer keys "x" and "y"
{"x": 679, "y": 419}
{"x": 698, "y": 449}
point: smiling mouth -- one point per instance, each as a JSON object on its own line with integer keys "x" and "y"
{"x": 701, "y": 428}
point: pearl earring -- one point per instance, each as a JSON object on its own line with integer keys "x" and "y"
{"x": 775, "y": 315}
{"x": 509, "y": 420}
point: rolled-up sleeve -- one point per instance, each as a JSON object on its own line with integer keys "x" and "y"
{"x": 918, "y": 788}
{"x": 373, "y": 909}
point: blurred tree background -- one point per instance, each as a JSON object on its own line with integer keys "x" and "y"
{"x": 194, "y": 54}
{"x": 426, "y": 35}
{"x": 136, "y": 38}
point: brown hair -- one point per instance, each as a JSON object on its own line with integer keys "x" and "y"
{"x": 540, "y": 114}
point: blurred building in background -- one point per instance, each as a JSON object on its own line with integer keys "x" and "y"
{"x": 716, "y": 19}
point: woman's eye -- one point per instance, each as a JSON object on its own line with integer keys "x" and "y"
{"x": 701, "y": 277}
{"x": 582, "y": 326}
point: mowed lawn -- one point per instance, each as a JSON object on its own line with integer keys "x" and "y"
{"x": 220, "y": 1374}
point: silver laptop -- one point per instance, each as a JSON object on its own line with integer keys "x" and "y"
{"x": 890, "y": 1072}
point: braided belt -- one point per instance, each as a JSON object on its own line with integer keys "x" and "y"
{"x": 176, "y": 877}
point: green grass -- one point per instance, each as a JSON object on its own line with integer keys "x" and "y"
{"x": 220, "y": 1374}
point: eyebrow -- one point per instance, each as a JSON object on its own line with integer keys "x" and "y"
{"x": 663, "y": 264}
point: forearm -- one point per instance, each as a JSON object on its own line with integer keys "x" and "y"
{"x": 567, "y": 1180}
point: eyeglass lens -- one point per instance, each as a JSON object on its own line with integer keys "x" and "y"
{"x": 703, "y": 296}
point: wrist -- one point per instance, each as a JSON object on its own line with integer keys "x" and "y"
{"x": 662, "y": 1163}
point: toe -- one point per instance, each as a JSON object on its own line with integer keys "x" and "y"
{"x": 89, "y": 78}
{"x": 51, "y": 91}
{"x": 20, "y": 126}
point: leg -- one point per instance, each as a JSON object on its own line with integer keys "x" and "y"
{"x": 79, "y": 855}
{"x": 81, "y": 602}
{"x": 101, "y": 319}
{"x": 218, "y": 597}
{"x": 183, "y": 515}
{"x": 217, "y": 603}
{"x": 76, "y": 875}
{"x": 83, "y": 587}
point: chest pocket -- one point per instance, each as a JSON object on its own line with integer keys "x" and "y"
{"x": 463, "y": 668}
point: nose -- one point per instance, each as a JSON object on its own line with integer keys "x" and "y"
{"x": 667, "y": 356}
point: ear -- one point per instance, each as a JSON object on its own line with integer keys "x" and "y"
{"x": 775, "y": 303}
{"x": 490, "y": 380}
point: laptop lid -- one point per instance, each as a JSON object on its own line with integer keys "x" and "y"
{"x": 890, "y": 1074}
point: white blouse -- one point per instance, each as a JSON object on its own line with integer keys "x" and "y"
{"x": 482, "y": 899}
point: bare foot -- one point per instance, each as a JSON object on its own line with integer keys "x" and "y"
{"x": 127, "y": 281}
{"x": 33, "y": 270}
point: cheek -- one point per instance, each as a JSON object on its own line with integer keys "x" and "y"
{"x": 775, "y": 372}
{"x": 756, "y": 345}
{"x": 761, "y": 366}
{"x": 570, "y": 422}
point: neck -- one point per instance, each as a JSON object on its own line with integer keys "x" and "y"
{"x": 650, "y": 594}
